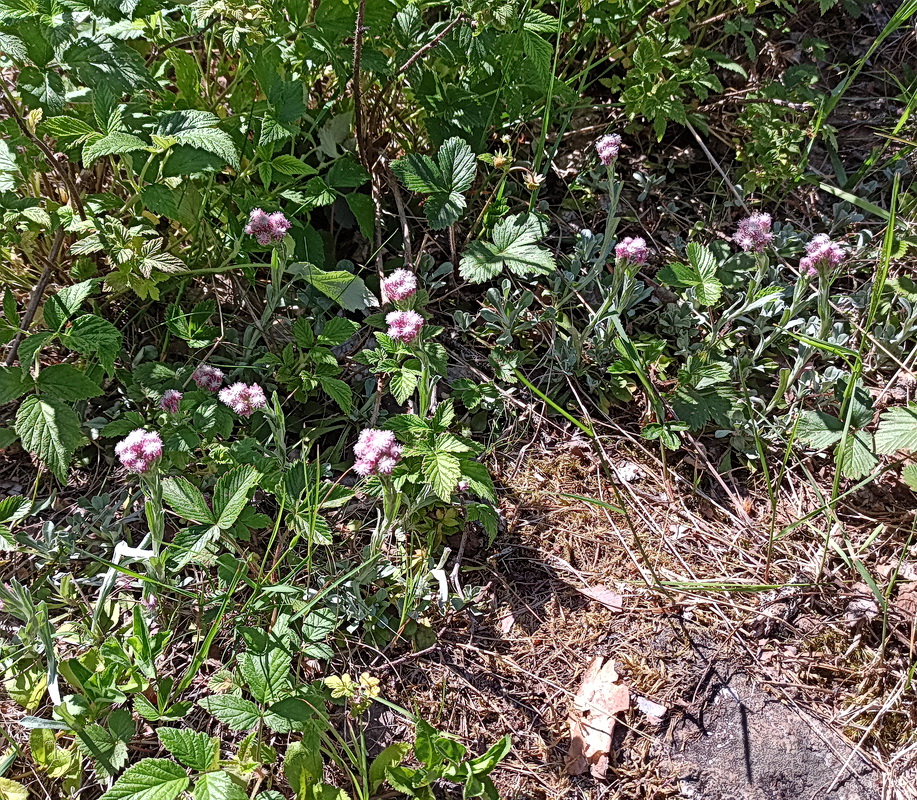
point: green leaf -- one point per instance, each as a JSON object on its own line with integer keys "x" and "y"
{"x": 60, "y": 307}
{"x": 484, "y": 764}
{"x": 199, "y": 129}
{"x": 346, "y": 173}
{"x": 402, "y": 384}
{"x": 108, "y": 753}
{"x": 149, "y": 779}
{"x": 187, "y": 501}
{"x": 514, "y": 245}
{"x": 116, "y": 143}
{"x": 266, "y": 673}
{"x": 92, "y": 335}
{"x": 338, "y": 391}
{"x": 291, "y": 165}
{"x": 12, "y": 790}
{"x": 819, "y": 429}
{"x": 67, "y": 383}
{"x": 699, "y": 274}
{"x": 897, "y": 430}
{"x": 443, "y": 471}
{"x": 193, "y": 749}
{"x": 337, "y": 330}
{"x": 854, "y": 457}
{"x": 49, "y": 430}
{"x": 43, "y": 88}
{"x": 909, "y": 476}
{"x": 302, "y": 765}
{"x": 231, "y": 494}
{"x": 217, "y": 786}
{"x": 345, "y": 288}
{"x": 234, "y": 712}
{"x": 444, "y": 180}
{"x": 364, "y": 210}
{"x": 391, "y": 756}
{"x": 13, "y": 384}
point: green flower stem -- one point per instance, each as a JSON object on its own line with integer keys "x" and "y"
{"x": 824, "y": 304}
{"x": 612, "y": 220}
{"x": 151, "y": 484}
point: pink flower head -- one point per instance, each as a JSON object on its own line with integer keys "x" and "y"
{"x": 267, "y": 228}
{"x": 608, "y": 148}
{"x": 821, "y": 253}
{"x": 632, "y": 250}
{"x": 462, "y": 486}
{"x": 139, "y": 450}
{"x": 171, "y": 399}
{"x": 243, "y": 399}
{"x": 403, "y": 326}
{"x": 207, "y": 377}
{"x": 754, "y": 233}
{"x": 377, "y": 452}
{"x": 400, "y": 285}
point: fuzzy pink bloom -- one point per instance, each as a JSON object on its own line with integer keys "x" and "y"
{"x": 207, "y": 377}
{"x": 377, "y": 452}
{"x": 139, "y": 450}
{"x": 267, "y": 228}
{"x": 400, "y": 285}
{"x": 171, "y": 400}
{"x": 754, "y": 233}
{"x": 243, "y": 399}
{"x": 462, "y": 486}
{"x": 608, "y": 148}
{"x": 403, "y": 326}
{"x": 633, "y": 250}
{"x": 821, "y": 253}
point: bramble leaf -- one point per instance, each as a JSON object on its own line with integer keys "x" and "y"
{"x": 49, "y": 430}
{"x": 149, "y": 779}
{"x": 444, "y": 180}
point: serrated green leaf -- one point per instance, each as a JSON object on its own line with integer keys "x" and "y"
{"x": 699, "y": 274}
{"x": 231, "y": 494}
{"x": 234, "y": 712}
{"x": 59, "y": 308}
{"x": 13, "y": 384}
{"x": 266, "y": 673}
{"x": 443, "y": 471}
{"x": 192, "y": 748}
{"x": 217, "y": 786}
{"x": 67, "y": 383}
{"x": 345, "y": 288}
{"x": 338, "y": 391}
{"x": 364, "y": 210}
{"x": 402, "y": 384}
{"x": 337, "y": 330}
{"x": 444, "y": 180}
{"x": 302, "y": 764}
{"x": 12, "y": 790}
{"x": 108, "y": 753}
{"x": 291, "y": 165}
{"x": 149, "y": 779}
{"x": 514, "y": 245}
{"x": 92, "y": 335}
{"x": 897, "y": 430}
{"x": 909, "y": 476}
{"x": 855, "y": 458}
{"x": 199, "y": 129}
{"x": 116, "y": 143}
{"x": 49, "y": 430}
{"x": 819, "y": 429}
{"x": 187, "y": 501}
{"x": 64, "y": 127}
{"x": 391, "y": 756}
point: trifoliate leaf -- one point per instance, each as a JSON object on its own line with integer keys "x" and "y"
{"x": 49, "y": 430}
{"x": 699, "y": 274}
{"x": 514, "y": 245}
{"x": 444, "y": 180}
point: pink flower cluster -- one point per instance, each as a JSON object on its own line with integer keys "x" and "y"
{"x": 377, "y": 452}
{"x": 267, "y": 228}
{"x": 139, "y": 450}
{"x": 243, "y": 399}
{"x": 754, "y": 233}
{"x": 403, "y": 326}
{"x": 632, "y": 250}
{"x": 207, "y": 377}
{"x": 171, "y": 400}
{"x": 821, "y": 253}
{"x": 400, "y": 285}
{"x": 608, "y": 148}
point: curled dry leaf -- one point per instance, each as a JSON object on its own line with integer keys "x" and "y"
{"x": 600, "y": 697}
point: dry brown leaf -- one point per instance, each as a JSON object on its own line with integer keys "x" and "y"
{"x": 906, "y": 601}
{"x": 604, "y": 595}
{"x": 592, "y": 718}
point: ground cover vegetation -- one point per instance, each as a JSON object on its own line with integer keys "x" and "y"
{"x": 300, "y": 299}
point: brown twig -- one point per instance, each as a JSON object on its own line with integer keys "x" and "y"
{"x": 431, "y": 44}
{"x": 158, "y": 51}
{"x": 35, "y": 300}
{"x": 355, "y": 80}
{"x": 46, "y": 151}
